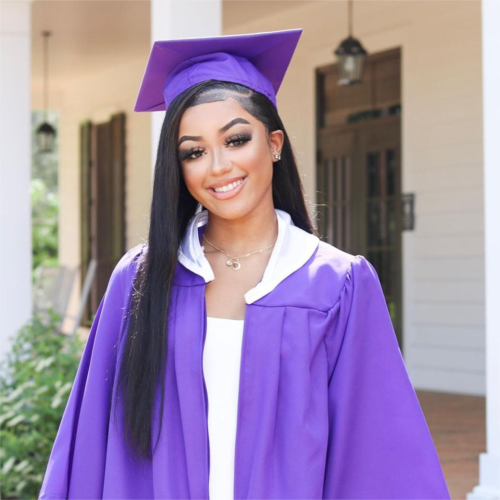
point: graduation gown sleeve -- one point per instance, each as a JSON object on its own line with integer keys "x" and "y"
{"x": 77, "y": 462}
{"x": 379, "y": 444}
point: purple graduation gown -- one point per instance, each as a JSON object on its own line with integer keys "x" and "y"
{"x": 326, "y": 408}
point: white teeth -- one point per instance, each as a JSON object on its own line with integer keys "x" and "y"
{"x": 228, "y": 187}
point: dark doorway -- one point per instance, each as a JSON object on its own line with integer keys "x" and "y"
{"x": 358, "y": 170}
{"x": 102, "y": 181}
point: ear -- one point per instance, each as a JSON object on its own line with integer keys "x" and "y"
{"x": 276, "y": 140}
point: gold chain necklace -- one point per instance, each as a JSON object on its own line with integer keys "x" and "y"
{"x": 233, "y": 262}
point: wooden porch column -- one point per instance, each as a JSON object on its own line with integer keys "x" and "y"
{"x": 489, "y": 462}
{"x": 15, "y": 168}
{"x": 174, "y": 19}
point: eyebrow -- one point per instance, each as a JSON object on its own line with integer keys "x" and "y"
{"x": 225, "y": 128}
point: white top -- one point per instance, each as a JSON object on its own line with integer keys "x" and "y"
{"x": 221, "y": 369}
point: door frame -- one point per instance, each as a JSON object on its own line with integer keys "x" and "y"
{"x": 357, "y": 180}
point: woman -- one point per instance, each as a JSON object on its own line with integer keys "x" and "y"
{"x": 235, "y": 355}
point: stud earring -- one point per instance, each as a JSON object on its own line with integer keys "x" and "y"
{"x": 277, "y": 156}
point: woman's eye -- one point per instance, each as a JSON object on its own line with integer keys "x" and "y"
{"x": 194, "y": 152}
{"x": 238, "y": 140}
{"x": 188, "y": 155}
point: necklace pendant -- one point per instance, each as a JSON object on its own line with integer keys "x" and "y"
{"x": 233, "y": 264}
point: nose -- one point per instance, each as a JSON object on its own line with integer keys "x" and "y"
{"x": 220, "y": 165}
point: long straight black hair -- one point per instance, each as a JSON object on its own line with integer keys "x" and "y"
{"x": 144, "y": 355}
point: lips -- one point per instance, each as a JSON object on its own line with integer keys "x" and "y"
{"x": 230, "y": 193}
{"x": 226, "y": 182}
{"x": 229, "y": 187}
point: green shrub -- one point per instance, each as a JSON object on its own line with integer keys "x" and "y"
{"x": 35, "y": 381}
{"x": 45, "y": 233}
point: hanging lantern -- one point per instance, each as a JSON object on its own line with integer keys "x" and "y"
{"x": 46, "y": 133}
{"x": 46, "y": 137}
{"x": 351, "y": 57}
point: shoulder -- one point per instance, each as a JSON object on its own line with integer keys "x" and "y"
{"x": 333, "y": 260}
{"x": 342, "y": 264}
{"x": 334, "y": 266}
{"x": 330, "y": 271}
{"x": 345, "y": 269}
{"x": 331, "y": 264}
{"x": 128, "y": 263}
{"x": 318, "y": 280}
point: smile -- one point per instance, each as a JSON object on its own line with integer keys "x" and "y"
{"x": 228, "y": 187}
{"x": 229, "y": 190}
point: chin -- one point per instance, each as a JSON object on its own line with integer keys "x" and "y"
{"x": 229, "y": 212}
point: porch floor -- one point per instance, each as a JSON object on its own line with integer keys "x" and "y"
{"x": 457, "y": 425}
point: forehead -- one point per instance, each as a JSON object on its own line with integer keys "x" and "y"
{"x": 212, "y": 116}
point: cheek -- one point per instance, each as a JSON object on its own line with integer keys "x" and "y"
{"x": 193, "y": 177}
{"x": 255, "y": 159}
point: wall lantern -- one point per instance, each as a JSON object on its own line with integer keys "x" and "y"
{"x": 46, "y": 133}
{"x": 351, "y": 57}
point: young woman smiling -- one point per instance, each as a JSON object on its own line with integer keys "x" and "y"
{"x": 235, "y": 354}
{"x": 235, "y": 152}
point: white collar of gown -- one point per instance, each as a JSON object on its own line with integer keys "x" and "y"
{"x": 292, "y": 250}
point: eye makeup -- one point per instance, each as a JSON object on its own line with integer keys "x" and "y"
{"x": 237, "y": 139}
{"x": 243, "y": 137}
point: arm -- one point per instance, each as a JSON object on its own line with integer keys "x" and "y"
{"x": 379, "y": 444}
{"x": 77, "y": 462}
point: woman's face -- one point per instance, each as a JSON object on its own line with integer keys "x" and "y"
{"x": 220, "y": 143}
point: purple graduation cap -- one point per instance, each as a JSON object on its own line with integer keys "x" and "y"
{"x": 257, "y": 60}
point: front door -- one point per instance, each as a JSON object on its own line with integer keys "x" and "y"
{"x": 359, "y": 176}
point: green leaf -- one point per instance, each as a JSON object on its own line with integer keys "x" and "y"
{"x": 21, "y": 466}
{"x": 7, "y": 466}
{"x": 20, "y": 486}
{"x": 15, "y": 420}
{"x": 6, "y": 416}
{"x": 44, "y": 363}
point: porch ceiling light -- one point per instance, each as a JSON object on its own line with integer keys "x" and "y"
{"x": 46, "y": 133}
{"x": 45, "y": 137}
{"x": 351, "y": 57}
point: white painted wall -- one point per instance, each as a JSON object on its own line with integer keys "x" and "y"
{"x": 95, "y": 97}
{"x": 15, "y": 170}
{"x": 444, "y": 338}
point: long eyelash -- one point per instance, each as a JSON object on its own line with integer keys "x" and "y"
{"x": 238, "y": 138}
{"x": 185, "y": 155}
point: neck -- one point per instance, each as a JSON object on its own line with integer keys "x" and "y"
{"x": 255, "y": 231}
